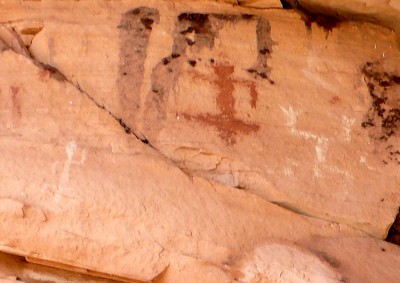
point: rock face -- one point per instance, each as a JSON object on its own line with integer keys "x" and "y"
{"x": 176, "y": 142}
{"x": 309, "y": 124}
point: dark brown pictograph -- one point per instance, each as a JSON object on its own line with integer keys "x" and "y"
{"x": 193, "y": 33}
{"x": 134, "y": 31}
{"x": 198, "y": 31}
{"x": 264, "y": 47}
{"x": 226, "y": 123}
{"x": 383, "y": 118}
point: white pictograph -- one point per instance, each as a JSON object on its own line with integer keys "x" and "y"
{"x": 64, "y": 179}
{"x": 322, "y": 143}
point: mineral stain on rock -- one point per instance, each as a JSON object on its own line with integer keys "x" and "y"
{"x": 326, "y": 22}
{"x": 327, "y": 258}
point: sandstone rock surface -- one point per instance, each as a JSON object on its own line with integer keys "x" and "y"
{"x": 295, "y": 122}
{"x": 198, "y": 142}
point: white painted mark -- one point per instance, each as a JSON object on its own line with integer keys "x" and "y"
{"x": 288, "y": 171}
{"x": 70, "y": 149}
{"x": 340, "y": 171}
{"x": 322, "y": 142}
{"x": 64, "y": 179}
{"x": 347, "y": 125}
{"x": 321, "y": 146}
{"x": 321, "y": 149}
{"x": 363, "y": 160}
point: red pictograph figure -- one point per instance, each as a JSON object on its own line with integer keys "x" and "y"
{"x": 226, "y": 123}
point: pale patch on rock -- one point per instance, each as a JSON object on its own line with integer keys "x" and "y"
{"x": 285, "y": 263}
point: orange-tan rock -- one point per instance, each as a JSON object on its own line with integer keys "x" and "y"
{"x": 288, "y": 119}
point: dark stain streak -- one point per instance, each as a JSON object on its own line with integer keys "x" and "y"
{"x": 329, "y": 259}
{"x": 324, "y": 21}
{"x": 247, "y": 16}
{"x": 328, "y": 23}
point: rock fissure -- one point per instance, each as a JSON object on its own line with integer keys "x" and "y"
{"x": 394, "y": 231}
{"x": 303, "y": 212}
